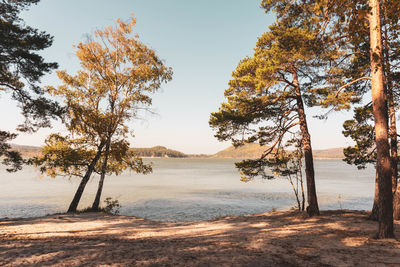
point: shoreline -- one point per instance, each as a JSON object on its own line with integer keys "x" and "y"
{"x": 281, "y": 238}
{"x": 211, "y": 157}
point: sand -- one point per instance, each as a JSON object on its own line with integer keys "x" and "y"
{"x": 337, "y": 238}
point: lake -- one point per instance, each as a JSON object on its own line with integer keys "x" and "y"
{"x": 185, "y": 190}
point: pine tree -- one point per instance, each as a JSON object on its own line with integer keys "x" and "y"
{"x": 359, "y": 25}
{"x": 379, "y": 105}
{"x": 265, "y": 100}
{"x": 21, "y": 68}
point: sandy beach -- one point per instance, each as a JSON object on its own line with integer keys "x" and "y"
{"x": 337, "y": 238}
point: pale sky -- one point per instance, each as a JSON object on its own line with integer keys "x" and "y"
{"x": 201, "y": 40}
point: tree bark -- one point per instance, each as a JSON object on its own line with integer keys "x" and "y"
{"x": 312, "y": 208}
{"x": 379, "y": 105}
{"x": 392, "y": 112}
{"x": 96, "y": 202}
{"x": 393, "y": 151}
{"x": 75, "y": 201}
{"x": 392, "y": 126}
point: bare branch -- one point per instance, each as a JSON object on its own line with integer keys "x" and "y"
{"x": 350, "y": 83}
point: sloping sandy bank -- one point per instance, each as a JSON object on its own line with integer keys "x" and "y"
{"x": 278, "y": 238}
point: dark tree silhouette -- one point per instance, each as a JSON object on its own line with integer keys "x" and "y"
{"x": 21, "y": 68}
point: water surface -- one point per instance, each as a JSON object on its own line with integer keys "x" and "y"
{"x": 185, "y": 189}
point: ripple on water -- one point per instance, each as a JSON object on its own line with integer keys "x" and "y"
{"x": 203, "y": 206}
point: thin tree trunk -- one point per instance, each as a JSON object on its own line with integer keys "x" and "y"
{"x": 396, "y": 203}
{"x": 298, "y": 203}
{"x": 303, "y": 199}
{"x": 96, "y": 202}
{"x": 295, "y": 191}
{"x": 374, "y": 213}
{"x": 75, "y": 201}
{"x": 312, "y": 208}
{"x": 302, "y": 196}
{"x": 379, "y": 106}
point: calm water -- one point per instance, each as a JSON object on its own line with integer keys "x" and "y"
{"x": 185, "y": 189}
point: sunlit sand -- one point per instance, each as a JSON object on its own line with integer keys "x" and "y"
{"x": 277, "y": 238}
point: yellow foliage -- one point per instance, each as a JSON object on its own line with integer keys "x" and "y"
{"x": 117, "y": 77}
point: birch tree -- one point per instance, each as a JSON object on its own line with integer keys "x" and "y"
{"x": 117, "y": 77}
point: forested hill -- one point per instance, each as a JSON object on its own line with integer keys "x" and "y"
{"x": 255, "y": 151}
{"x": 247, "y": 151}
{"x": 159, "y": 152}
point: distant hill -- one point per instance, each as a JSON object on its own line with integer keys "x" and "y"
{"x": 248, "y": 151}
{"x": 159, "y": 152}
{"x": 26, "y": 151}
{"x": 331, "y": 153}
{"x": 251, "y": 151}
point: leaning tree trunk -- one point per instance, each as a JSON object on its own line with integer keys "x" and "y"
{"x": 96, "y": 202}
{"x": 75, "y": 201}
{"x": 312, "y": 208}
{"x": 379, "y": 106}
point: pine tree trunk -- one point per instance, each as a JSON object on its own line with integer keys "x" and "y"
{"x": 75, "y": 201}
{"x": 392, "y": 115}
{"x": 393, "y": 153}
{"x": 393, "y": 126}
{"x": 379, "y": 106}
{"x": 96, "y": 202}
{"x": 312, "y": 208}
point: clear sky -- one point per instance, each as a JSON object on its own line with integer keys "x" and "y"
{"x": 201, "y": 40}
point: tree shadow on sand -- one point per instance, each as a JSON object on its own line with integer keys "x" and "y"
{"x": 269, "y": 239}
